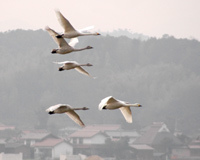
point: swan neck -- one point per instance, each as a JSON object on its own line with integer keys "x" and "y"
{"x": 85, "y": 64}
{"x": 80, "y": 49}
{"x": 83, "y": 108}
{"x": 132, "y": 105}
{"x": 87, "y": 34}
{"x": 77, "y": 108}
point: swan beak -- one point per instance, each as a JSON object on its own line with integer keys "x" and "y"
{"x": 139, "y": 105}
{"x": 98, "y": 34}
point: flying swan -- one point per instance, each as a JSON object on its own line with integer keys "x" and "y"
{"x": 64, "y": 47}
{"x": 69, "y": 31}
{"x": 67, "y": 65}
{"x": 111, "y": 103}
{"x": 65, "y": 108}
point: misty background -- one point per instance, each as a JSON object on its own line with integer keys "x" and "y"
{"x": 161, "y": 74}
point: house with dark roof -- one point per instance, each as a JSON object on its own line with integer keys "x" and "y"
{"x": 118, "y": 134}
{"x": 16, "y": 148}
{"x": 159, "y": 137}
{"x": 93, "y": 134}
{"x": 103, "y": 127}
{"x": 31, "y": 137}
{"x": 143, "y": 151}
{"x": 52, "y": 148}
{"x": 90, "y": 139}
{"x": 194, "y": 147}
{"x": 86, "y": 141}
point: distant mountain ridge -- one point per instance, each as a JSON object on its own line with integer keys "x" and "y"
{"x": 127, "y": 33}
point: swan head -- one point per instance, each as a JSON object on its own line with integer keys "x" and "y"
{"x": 85, "y": 108}
{"x": 59, "y": 36}
{"x": 104, "y": 107}
{"x": 54, "y": 51}
{"x": 89, "y": 47}
{"x": 50, "y": 111}
{"x": 88, "y": 64}
{"x": 60, "y": 69}
{"x": 138, "y": 105}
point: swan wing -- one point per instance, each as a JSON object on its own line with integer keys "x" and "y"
{"x": 111, "y": 100}
{"x": 106, "y": 101}
{"x": 61, "y": 62}
{"x": 60, "y": 41}
{"x": 81, "y": 70}
{"x": 73, "y": 41}
{"x": 64, "y": 22}
{"x": 68, "y": 62}
{"x": 85, "y": 29}
{"x": 126, "y": 111}
{"x": 57, "y": 107}
{"x": 75, "y": 117}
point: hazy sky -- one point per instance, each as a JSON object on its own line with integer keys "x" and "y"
{"x": 180, "y": 18}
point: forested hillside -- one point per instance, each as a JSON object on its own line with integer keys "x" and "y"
{"x": 161, "y": 74}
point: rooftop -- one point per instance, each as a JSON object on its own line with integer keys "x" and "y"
{"x": 35, "y": 135}
{"x": 141, "y": 147}
{"x": 194, "y": 146}
{"x": 85, "y": 133}
{"x": 4, "y": 127}
{"x": 90, "y": 131}
{"x": 123, "y": 133}
{"x": 151, "y": 132}
{"x": 51, "y": 142}
{"x": 103, "y": 127}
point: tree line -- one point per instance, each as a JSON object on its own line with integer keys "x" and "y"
{"x": 161, "y": 74}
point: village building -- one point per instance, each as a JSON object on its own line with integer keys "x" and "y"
{"x": 52, "y": 148}
{"x": 142, "y": 151}
{"x": 30, "y": 137}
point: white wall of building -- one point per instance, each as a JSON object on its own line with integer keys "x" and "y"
{"x": 97, "y": 139}
{"x": 62, "y": 149}
{"x": 4, "y": 156}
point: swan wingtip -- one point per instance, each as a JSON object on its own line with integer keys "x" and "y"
{"x": 56, "y": 10}
{"x": 46, "y": 27}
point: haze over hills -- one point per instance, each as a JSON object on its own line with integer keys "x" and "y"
{"x": 161, "y": 74}
{"x": 127, "y": 33}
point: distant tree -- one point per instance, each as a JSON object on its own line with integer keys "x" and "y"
{"x": 119, "y": 149}
{"x": 10, "y": 133}
{"x": 42, "y": 118}
{"x": 161, "y": 74}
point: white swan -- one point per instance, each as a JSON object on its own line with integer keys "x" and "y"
{"x": 69, "y": 31}
{"x": 112, "y": 103}
{"x": 67, "y": 65}
{"x": 64, "y": 47}
{"x": 65, "y": 108}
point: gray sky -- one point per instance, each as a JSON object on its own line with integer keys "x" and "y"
{"x": 180, "y": 18}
